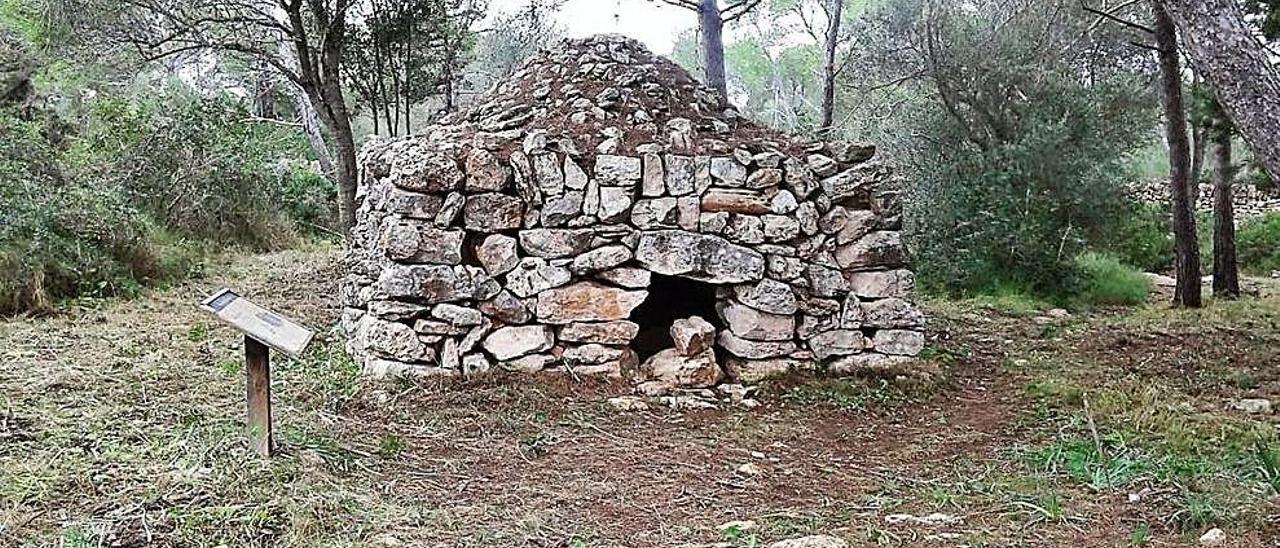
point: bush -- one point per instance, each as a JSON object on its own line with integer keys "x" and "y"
{"x": 1258, "y": 245}
{"x": 1143, "y": 239}
{"x": 309, "y": 197}
{"x": 138, "y": 194}
{"x": 1011, "y": 187}
{"x": 1104, "y": 280}
{"x": 198, "y": 166}
{"x": 61, "y": 239}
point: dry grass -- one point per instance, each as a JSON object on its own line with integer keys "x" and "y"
{"x": 120, "y": 426}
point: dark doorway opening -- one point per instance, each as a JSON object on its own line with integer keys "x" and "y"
{"x": 671, "y": 298}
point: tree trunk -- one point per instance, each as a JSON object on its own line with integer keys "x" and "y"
{"x": 832, "y": 38}
{"x": 713, "y": 46}
{"x": 264, "y": 91}
{"x": 1226, "y": 273}
{"x": 344, "y": 143}
{"x": 311, "y": 125}
{"x": 1225, "y": 50}
{"x": 1199, "y": 147}
{"x": 1187, "y": 261}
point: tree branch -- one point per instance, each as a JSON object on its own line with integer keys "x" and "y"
{"x": 735, "y": 11}
{"x": 686, "y": 4}
{"x": 1115, "y": 18}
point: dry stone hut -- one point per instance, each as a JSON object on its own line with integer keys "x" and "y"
{"x": 601, "y": 213}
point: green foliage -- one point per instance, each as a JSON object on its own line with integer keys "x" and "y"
{"x": 197, "y": 165}
{"x": 1010, "y": 187}
{"x": 137, "y": 187}
{"x": 61, "y": 238}
{"x": 1142, "y": 239}
{"x": 1258, "y": 244}
{"x": 1107, "y": 281}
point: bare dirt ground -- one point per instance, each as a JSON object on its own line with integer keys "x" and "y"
{"x": 120, "y": 425}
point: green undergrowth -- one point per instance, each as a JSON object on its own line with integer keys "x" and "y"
{"x": 1107, "y": 281}
{"x": 1131, "y": 434}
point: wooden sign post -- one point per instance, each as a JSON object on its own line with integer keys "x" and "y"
{"x": 263, "y": 330}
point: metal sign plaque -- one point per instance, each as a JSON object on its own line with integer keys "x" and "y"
{"x": 255, "y": 321}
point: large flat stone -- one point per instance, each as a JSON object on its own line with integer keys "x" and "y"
{"x": 616, "y": 333}
{"x": 748, "y": 202}
{"x": 875, "y": 250}
{"x": 514, "y": 341}
{"x": 556, "y": 242}
{"x": 882, "y": 284}
{"x": 699, "y": 256}
{"x": 898, "y": 342}
{"x": 891, "y": 313}
{"x": 492, "y": 212}
{"x": 749, "y": 323}
{"x": 754, "y": 350}
{"x": 840, "y": 342}
{"x": 433, "y": 284}
{"x": 752, "y": 371}
{"x": 587, "y": 302}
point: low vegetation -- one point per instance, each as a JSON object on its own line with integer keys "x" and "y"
{"x": 1258, "y": 245}
{"x": 1101, "y": 428}
{"x": 119, "y": 190}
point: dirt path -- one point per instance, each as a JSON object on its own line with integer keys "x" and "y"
{"x": 122, "y": 429}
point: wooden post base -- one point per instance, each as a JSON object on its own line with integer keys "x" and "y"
{"x": 257, "y": 357}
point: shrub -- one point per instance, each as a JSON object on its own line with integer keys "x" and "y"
{"x": 61, "y": 239}
{"x": 1143, "y": 239}
{"x": 198, "y": 166}
{"x": 1011, "y": 187}
{"x": 1258, "y": 244}
{"x": 309, "y": 197}
{"x": 1104, "y": 280}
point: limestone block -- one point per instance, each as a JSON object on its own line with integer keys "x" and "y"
{"x": 511, "y": 342}
{"x": 875, "y": 250}
{"x": 492, "y": 212}
{"x": 616, "y": 333}
{"x": 586, "y": 301}
{"x": 673, "y": 368}
{"x": 692, "y": 336}
{"x": 617, "y": 170}
{"x": 497, "y": 254}
{"x": 534, "y": 275}
{"x": 891, "y": 313}
{"x": 883, "y": 284}
{"x": 749, "y": 323}
{"x": 755, "y": 350}
{"x": 554, "y": 243}
{"x": 898, "y": 342}
{"x": 769, "y": 296}
{"x": 700, "y": 256}
{"x": 486, "y": 173}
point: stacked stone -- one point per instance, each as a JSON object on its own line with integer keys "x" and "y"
{"x": 483, "y": 244}
{"x": 1248, "y": 201}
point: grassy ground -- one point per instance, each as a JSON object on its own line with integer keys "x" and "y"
{"x": 120, "y": 426}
